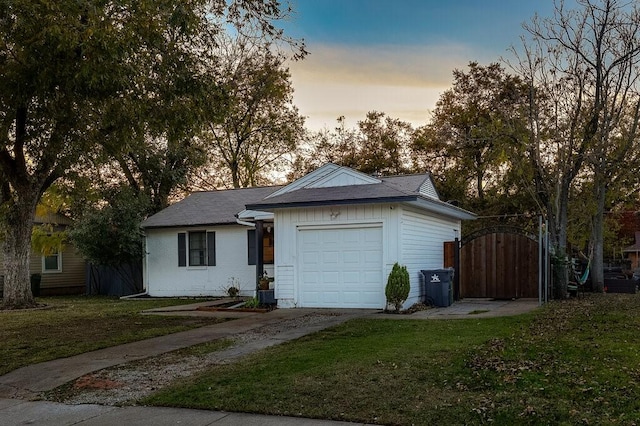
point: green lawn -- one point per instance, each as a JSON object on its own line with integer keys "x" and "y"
{"x": 73, "y": 325}
{"x": 574, "y": 362}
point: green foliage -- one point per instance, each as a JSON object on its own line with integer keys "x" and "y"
{"x": 110, "y": 234}
{"x": 46, "y": 240}
{"x": 90, "y": 86}
{"x": 398, "y": 286}
{"x": 474, "y": 143}
{"x": 258, "y": 124}
{"x": 252, "y": 303}
{"x": 380, "y": 144}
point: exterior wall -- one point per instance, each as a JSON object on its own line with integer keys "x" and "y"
{"x": 287, "y": 222}
{"x": 421, "y": 239}
{"x": 71, "y": 280}
{"x": 163, "y": 277}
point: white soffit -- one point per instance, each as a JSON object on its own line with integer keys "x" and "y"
{"x": 255, "y": 215}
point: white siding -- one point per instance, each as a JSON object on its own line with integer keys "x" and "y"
{"x": 287, "y": 222}
{"x": 422, "y": 237}
{"x": 163, "y": 277}
{"x": 343, "y": 177}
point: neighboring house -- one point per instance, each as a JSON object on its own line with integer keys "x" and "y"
{"x": 633, "y": 252}
{"x": 63, "y": 271}
{"x": 332, "y": 235}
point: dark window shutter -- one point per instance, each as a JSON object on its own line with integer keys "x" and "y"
{"x": 211, "y": 248}
{"x": 182, "y": 249}
{"x": 251, "y": 243}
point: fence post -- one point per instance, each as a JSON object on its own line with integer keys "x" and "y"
{"x": 456, "y": 267}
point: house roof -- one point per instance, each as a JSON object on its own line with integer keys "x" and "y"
{"x": 636, "y": 246}
{"x": 415, "y": 189}
{"x": 207, "y": 208}
{"x": 53, "y": 219}
{"x": 328, "y": 185}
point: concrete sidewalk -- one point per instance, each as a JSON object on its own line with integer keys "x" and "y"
{"x": 19, "y": 386}
{"x": 18, "y": 412}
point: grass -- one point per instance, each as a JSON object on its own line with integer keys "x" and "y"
{"x": 73, "y": 325}
{"x": 573, "y": 362}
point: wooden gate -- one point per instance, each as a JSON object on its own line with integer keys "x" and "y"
{"x": 500, "y": 265}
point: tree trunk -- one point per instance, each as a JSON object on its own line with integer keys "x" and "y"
{"x": 561, "y": 271}
{"x": 597, "y": 237}
{"x": 17, "y": 253}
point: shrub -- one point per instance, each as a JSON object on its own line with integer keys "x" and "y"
{"x": 398, "y": 286}
{"x": 252, "y": 303}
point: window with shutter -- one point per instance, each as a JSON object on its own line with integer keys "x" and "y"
{"x": 199, "y": 247}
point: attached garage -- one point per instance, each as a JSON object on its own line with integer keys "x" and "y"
{"x": 338, "y": 233}
{"x": 341, "y": 267}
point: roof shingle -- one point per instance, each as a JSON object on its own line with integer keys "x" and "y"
{"x": 207, "y": 208}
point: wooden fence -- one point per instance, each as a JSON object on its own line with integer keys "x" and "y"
{"x": 500, "y": 265}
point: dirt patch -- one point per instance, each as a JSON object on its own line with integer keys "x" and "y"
{"x": 92, "y": 382}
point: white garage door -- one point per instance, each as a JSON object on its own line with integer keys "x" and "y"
{"x": 341, "y": 268}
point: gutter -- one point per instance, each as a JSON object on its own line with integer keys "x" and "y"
{"x": 242, "y": 222}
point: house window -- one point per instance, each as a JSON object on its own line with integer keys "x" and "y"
{"x": 199, "y": 247}
{"x": 52, "y": 262}
{"x": 267, "y": 246}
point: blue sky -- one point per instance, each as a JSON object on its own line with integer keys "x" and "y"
{"x": 395, "y": 56}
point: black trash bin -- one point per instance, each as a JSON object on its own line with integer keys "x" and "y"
{"x": 437, "y": 287}
{"x": 35, "y": 284}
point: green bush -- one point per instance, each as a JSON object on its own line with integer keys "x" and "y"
{"x": 252, "y": 303}
{"x": 398, "y": 286}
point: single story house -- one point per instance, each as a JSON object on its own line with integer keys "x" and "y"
{"x": 329, "y": 239}
{"x": 62, "y": 271}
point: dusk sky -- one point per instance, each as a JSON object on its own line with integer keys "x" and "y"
{"x": 395, "y": 56}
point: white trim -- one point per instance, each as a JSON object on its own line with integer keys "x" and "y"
{"x": 373, "y": 224}
{"x": 52, "y": 271}
{"x": 305, "y": 180}
{"x": 379, "y": 225}
{"x": 343, "y": 171}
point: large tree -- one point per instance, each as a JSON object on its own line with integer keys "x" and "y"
{"x": 379, "y": 145}
{"x": 475, "y": 137}
{"x": 72, "y": 72}
{"x": 259, "y": 125}
{"x": 582, "y": 67}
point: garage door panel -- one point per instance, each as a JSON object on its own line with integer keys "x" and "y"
{"x": 351, "y": 236}
{"x": 330, "y": 278}
{"x": 351, "y": 256}
{"x": 330, "y": 237}
{"x": 371, "y": 277}
{"x": 329, "y": 257}
{"x": 330, "y": 297}
{"x": 351, "y": 278}
{"x": 341, "y": 268}
{"x": 311, "y": 257}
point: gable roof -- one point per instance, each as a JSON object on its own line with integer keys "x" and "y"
{"x": 417, "y": 190}
{"x": 207, "y": 208}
